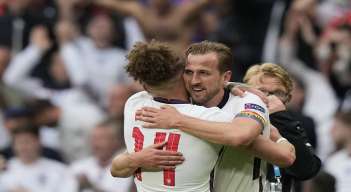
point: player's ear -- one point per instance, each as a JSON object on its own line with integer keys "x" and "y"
{"x": 227, "y": 76}
{"x": 144, "y": 86}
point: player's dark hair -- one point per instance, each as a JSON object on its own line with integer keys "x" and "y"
{"x": 224, "y": 54}
{"x": 153, "y": 63}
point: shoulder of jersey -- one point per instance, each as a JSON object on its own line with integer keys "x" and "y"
{"x": 139, "y": 95}
{"x": 201, "y": 110}
{"x": 252, "y": 96}
{"x": 246, "y": 98}
{"x": 247, "y": 95}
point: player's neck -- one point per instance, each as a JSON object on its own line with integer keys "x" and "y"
{"x": 174, "y": 94}
{"x": 216, "y": 100}
{"x": 177, "y": 92}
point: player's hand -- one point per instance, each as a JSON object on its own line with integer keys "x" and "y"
{"x": 274, "y": 134}
{"x": 165, "y": 117}
{"x": 240, "y": 90}
{"x": 275, "y": 104}
{"x": 153, "y": 157}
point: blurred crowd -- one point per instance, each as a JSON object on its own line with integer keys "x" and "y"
{"x": 63, "y": 84}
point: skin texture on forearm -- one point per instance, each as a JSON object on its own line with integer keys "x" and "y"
{"x": 152, "y": 157}
{"x": 281, "y": 154}
{"x": 123, "y": 165}
{"x": 240, "y": 132}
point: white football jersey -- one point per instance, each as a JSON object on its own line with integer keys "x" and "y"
{"x": 200, "y": 156}
{"x": 44, "y": 175}
{"x": 339, "y": 165}
{"x": 237, "y": 170}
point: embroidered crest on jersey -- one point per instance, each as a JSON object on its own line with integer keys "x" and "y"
{"x": 255, "y": 107}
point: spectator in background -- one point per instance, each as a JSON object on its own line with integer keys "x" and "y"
{"x": 323, "y": 182}
{"x": 80, "y": 12}
{"x": 118, "y": 95}
{"x": 19, "y": 117}
{"x": 316, "y": 93}
{"x": 346, "y": 103}
{"x": 334, "y": 53}
{"x": 327, "y": 10}
{"x": 7, "y": 96}
{"x": 339, "y": 164}
{"x": 19, "y": 17}
{"x": 5, "y": 57}
{"x": 69, "y": 100}
{"x": 160, "y": 19}
{"x": 29, "y": 171}
{"x": 252, "y": 29}
{"x": 93, "y": 173}
{"x": 19, "y": 73}
{"x": 73, "y": 119}
{"x": 295, "y": 106}
{"x": 277, "y": 84}
{"x": 93, "y": 63}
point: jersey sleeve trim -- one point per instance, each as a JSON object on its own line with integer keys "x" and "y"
{"x": 252, "y": 115}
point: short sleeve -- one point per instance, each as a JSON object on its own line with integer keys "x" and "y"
{"x": 253, "y": 107}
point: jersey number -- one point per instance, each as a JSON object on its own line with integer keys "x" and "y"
{"x": 172, "y": 145}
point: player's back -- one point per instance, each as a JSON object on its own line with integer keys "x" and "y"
{"x": 200, "y": 156}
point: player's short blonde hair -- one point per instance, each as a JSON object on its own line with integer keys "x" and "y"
{"x": 274, "y": 71}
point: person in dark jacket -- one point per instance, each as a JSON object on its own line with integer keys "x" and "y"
{"x": 276, "y": 83}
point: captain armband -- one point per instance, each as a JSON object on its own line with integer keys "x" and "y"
{"x": 252, "y": 115}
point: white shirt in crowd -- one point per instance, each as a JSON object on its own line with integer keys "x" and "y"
{"x": 320, "y": 99}
{"x": 201, "y": 156}
{"x": 42, "y": 176}
{"x": 99, "y": 69}
{"x": 100, "y": 176}
{"x": 78, "y": 118}
{"x": 339, "y": 165}
{"x": 79, "y": 113}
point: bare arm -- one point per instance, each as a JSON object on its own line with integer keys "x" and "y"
{"x": 152, "y": 157}
{"x": 281, "y": 154}
{"x": 17, "y": 75}
{"x": 240, "y": 132}
{"x": 239, "y": 89}
{"x": 131, "y": 8}
{"x": 191, "y": 8}
{"x": 124, "y": 165}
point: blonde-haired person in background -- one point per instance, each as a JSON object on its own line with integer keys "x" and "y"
{"x": 277, "y": 84}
